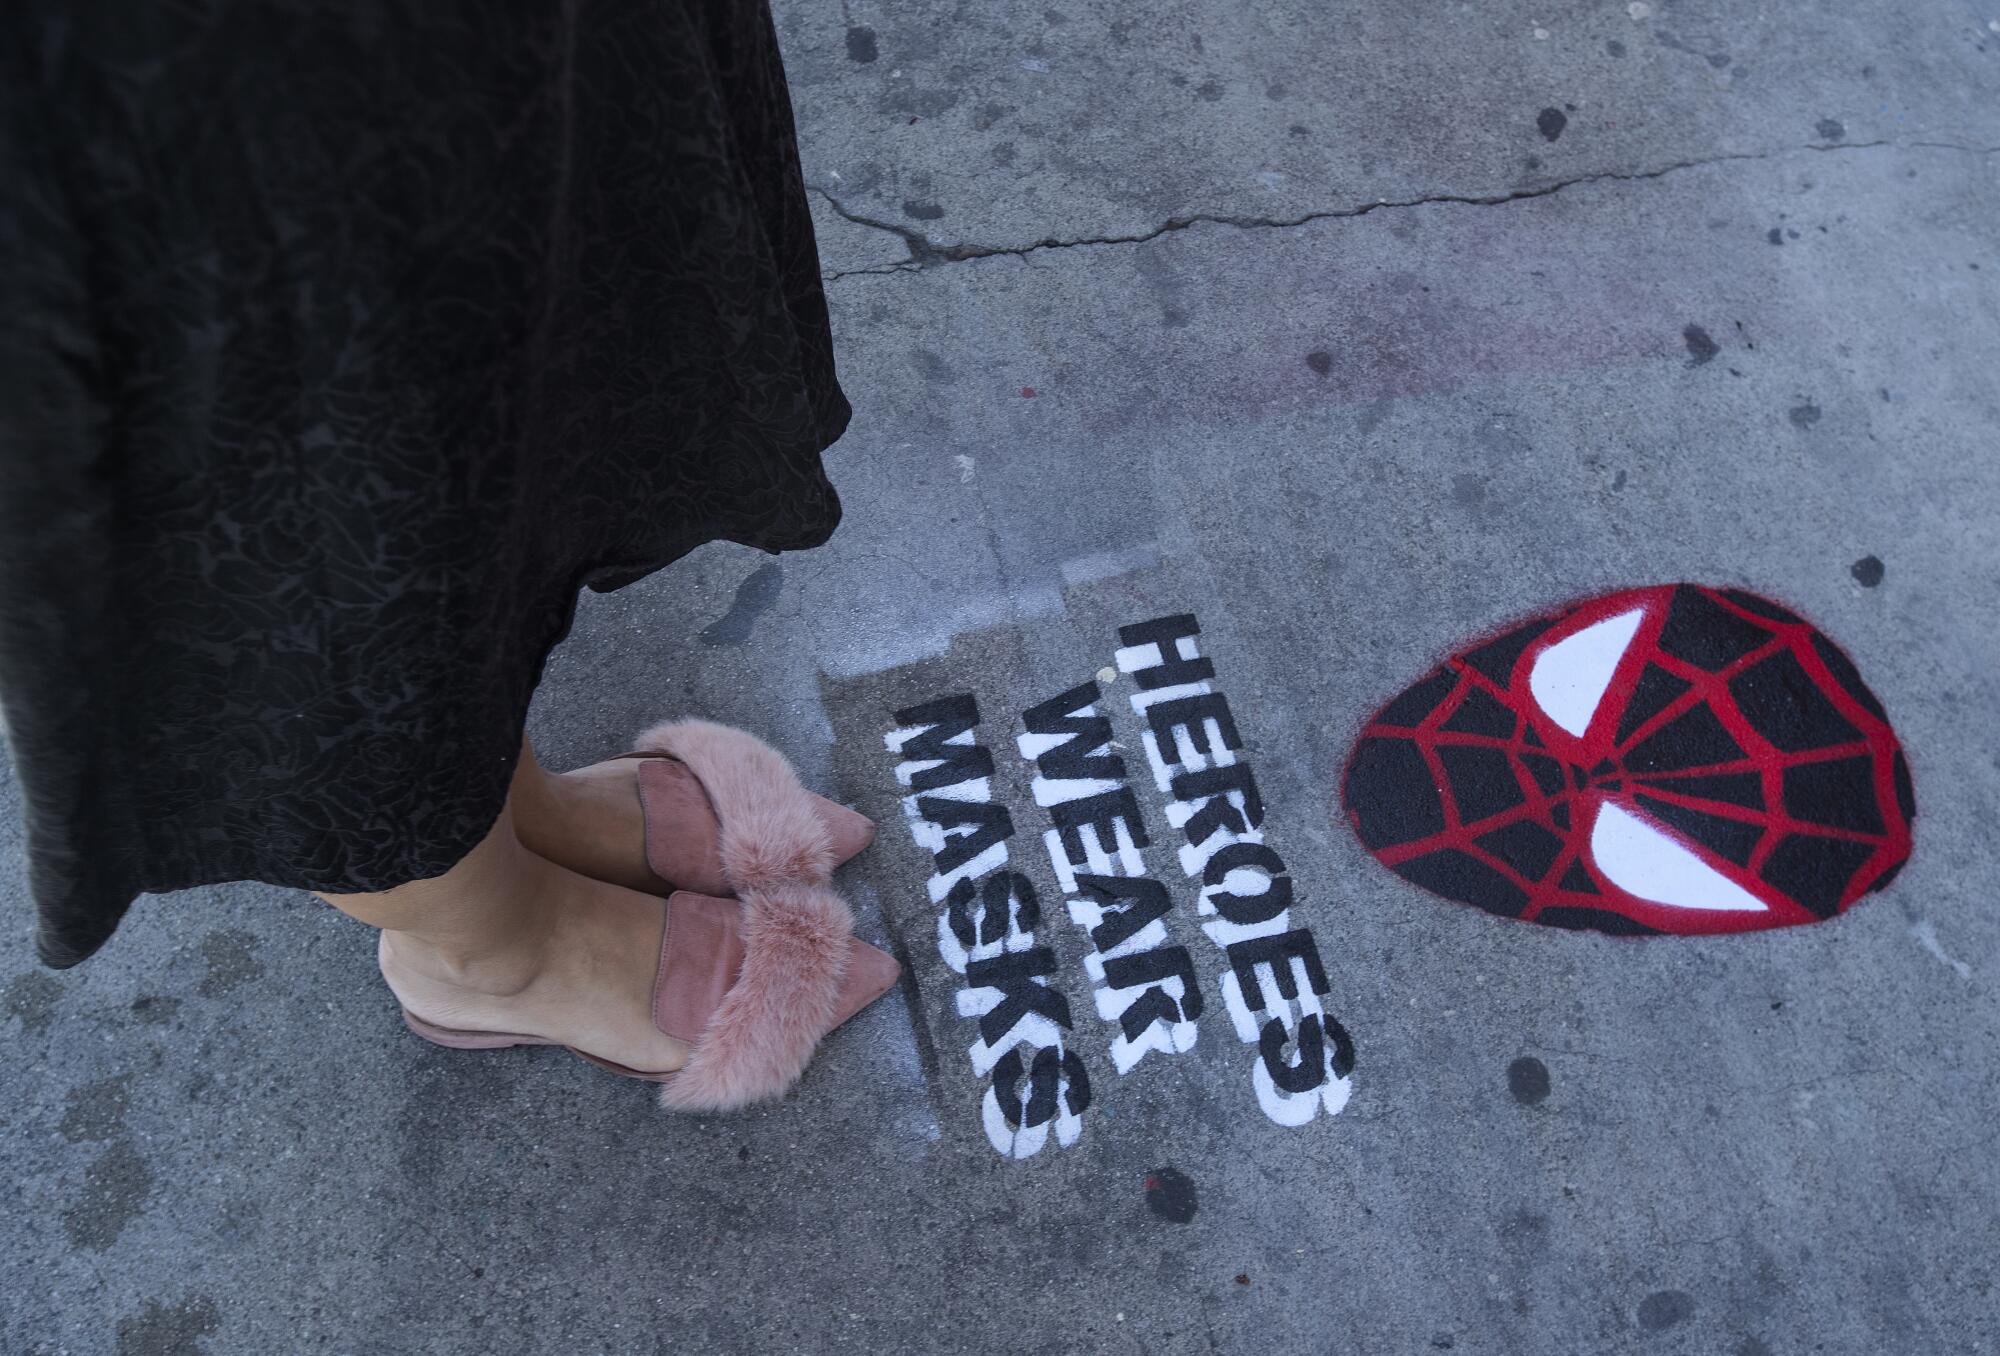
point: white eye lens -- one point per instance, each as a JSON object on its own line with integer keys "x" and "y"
{"x": 1569, "y": 678}
{"x": 1639, "y": 859}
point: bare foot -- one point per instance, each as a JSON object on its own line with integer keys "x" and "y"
{"x": 581, "y": 973}
{"x": 587, "y": 820}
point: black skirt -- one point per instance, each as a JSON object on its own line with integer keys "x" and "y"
{"x": 343, "y": 342}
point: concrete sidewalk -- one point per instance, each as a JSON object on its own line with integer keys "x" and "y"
{"x": 1355, "y": 332}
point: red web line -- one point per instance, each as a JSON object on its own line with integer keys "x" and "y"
{"x": 1765, "y": 758}
{"x": 1760, "y": 758}
{"x": 1535, "y": 805}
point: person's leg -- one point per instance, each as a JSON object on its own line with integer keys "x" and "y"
{"x": 509, "y": 941}
{"x": 588, "y": 820}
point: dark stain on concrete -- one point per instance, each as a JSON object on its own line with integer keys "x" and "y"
{"x": 861, "y": 44}
{"x": 154, "y": 1010}
{"x": 1751, "y": 1346}
{"x": 115, "y": 1188}
{"x": 32, "y": 998}
{"x": 1469, "y": 490}
{"x": 1528, "y": 1080}
{"x": 987, "y": 114}
{"x": 1209, "y": 90}
{"x": 1615, "y": 48}
{"x": 1804, "y": 415}
{"x": 1867, "y": 571}
{"x": 1776, "y": 235}
{"x": 162, "y": 1329}
{"x": 1550, "y": 123}
{"x": 1320, "y": 361}
{"x": 921, "y": 211}
{"x": 97, "y": 1109}
{"x": 1719, "y": 60}
{"x": 1665, "y": 1309}
{"x": 232, "y": 959}
{"x": 754, "y": 597}
{"x": 1700, "y": 346}
{"x": 1170, "y": 1195}
{"x": 932, "y": 368}
{"x": 1831, "y": 129}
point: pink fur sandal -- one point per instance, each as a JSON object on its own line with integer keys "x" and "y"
{"x": 751, "y": 987}
{"x": 723, "y": 808}
{"x": 722, "y": 797}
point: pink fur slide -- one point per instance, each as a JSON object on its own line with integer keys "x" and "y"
{"x": 803, "y": 972}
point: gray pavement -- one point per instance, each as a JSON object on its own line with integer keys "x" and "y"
{"x": 1354, "y": 331}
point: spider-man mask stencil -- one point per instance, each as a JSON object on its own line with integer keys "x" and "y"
{"x": 1668, "y": 759}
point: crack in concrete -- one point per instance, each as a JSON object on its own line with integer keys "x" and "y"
{"x": 926, "y": 253}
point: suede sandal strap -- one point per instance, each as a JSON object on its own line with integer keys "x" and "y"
{"x": 701, "y": 955}
{"x": 683, "y": 835}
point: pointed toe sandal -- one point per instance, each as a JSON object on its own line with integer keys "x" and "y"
{"x": 725, "y": 813}
{"x": 751, "y": 986}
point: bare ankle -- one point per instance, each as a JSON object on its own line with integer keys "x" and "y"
{"x": 536, "y": 795}
{"x": 495, "y": 968}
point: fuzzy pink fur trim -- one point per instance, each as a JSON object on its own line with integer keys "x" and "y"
{"x": 771, "y": 831}
{"x": 765, "y": 1030}
{"x": 776, "y": 853}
